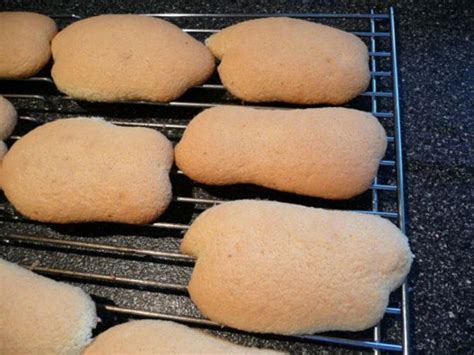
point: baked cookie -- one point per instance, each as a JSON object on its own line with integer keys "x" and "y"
{"x": 42, "y": 316}
{"x": 291, "y": 60}
{"x": 160, "y": 337}
{"x": 8, "y": 118}
{"x": 88, "y": 170}
{"x": 24, "y": 43}
{"x": 128, "y": 57}
{"x": 332, "y": 153}
{"x": 274, "y": 267}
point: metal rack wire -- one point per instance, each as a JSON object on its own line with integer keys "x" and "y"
{"x": 386, "y": 197}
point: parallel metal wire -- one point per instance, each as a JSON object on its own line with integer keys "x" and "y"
{"x": 377, "y": 344}
{"x": 375, "y": 198}
{"x": 400, "y": 179}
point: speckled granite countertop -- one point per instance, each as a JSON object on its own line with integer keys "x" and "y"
{"x": 435, "y": 60}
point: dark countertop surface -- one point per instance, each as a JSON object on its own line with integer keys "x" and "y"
{"x": 435, "y": 65}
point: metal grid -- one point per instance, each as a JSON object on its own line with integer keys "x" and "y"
{"x": 385, "y": 199}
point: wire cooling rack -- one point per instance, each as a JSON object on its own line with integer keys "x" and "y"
{"x": 136, "y": 271}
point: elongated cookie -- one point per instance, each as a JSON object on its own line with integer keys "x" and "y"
{"x": 290, "y": 60}
{"x": 128, "y": 57}
{"x": 332, "y": 153}
{"x": 25, "y": 43}
{"x": 41, "y": 316}
{"x": 160, "y": 337}
{"x": 273, "y": 267}
{"x": 89, "y": 170}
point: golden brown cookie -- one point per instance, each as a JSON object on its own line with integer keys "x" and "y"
{"x": 332, "y": 153}
{"x": 24, "y": 43}
{"x": 291, "y": 60}
{"x": 128, "y": 57}
{"x": 8, "y": 118}
{"x": 42, "y": 316}
{"x": 160, "y": 337}
{"x": 89, "y": 170}
{"x": 274, "y": 267}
